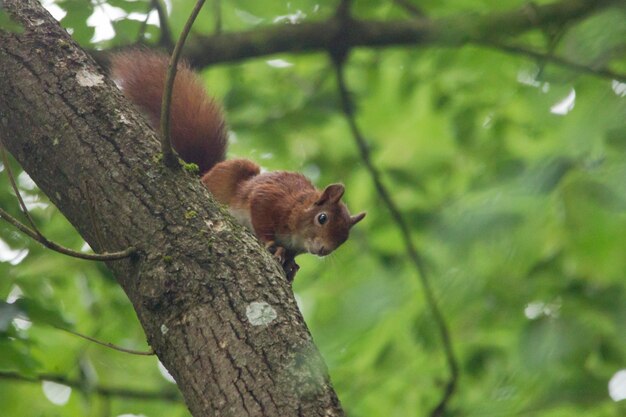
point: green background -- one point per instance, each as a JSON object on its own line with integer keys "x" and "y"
{"x": 520, "y": 214}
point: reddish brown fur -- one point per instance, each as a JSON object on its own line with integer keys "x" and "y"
{"x": 223, "y": 180}
{"x": 198, "y": 130}
{"x": 273, "y": 199}
{"x": 282, "y": 208}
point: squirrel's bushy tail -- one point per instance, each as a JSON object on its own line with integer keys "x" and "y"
{"x": 198, "y": 129}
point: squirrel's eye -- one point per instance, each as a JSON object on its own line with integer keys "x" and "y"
{"x": 322, "y": 218}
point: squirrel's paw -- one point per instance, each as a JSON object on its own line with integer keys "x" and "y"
{"x": 278, "y": 251}
{"x": 284, "y": 259}
{"x": 279, "y": 254}
{"x": 291, "y": 268}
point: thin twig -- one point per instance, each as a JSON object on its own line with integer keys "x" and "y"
{"x": 107, "y": 344}
{"x": 166, "y": 34}
{"x": 105, "y": 406}
{"x": 144, "y": 24}
{"x": 164, "y": 395}
{"x": 554, "y": 59}
{"x": 39, "y": 237}
{"x": 410, "y": 7}
{"x": 343, "y": 9}
{"x": 412, "y": 251}
{"x": 18, "y": 195}
{"x": 113, "y": 256}
{"x": 169, "y": 157}
{"x": 217, "y": 11}
{"x": 451, "y": 31}
{"x": 541, "y": 57}
{"x": 553, "y": 40}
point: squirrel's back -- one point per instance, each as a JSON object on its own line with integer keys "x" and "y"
{"x": 198, "y": 129}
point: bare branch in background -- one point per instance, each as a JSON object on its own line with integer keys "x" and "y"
{"x": 410, "y": 7}
{"x": 109, "y": 345}
{"x": 217, "y": 11}
{"x": 166, "y": 34}
{"x": 36, "y": 234}
{"x": 412, "y": 252}
{"x": 144, "y": 24}
{"x": 491, "y": 30}
{"x": 543, "y": 58}
{"x": 165, "y": 396}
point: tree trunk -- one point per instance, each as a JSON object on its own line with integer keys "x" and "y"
{"x": 215, "y": 306}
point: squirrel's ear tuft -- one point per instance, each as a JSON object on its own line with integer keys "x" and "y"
{"x": 355, "y": 219}
{"x": 331, "y": 194}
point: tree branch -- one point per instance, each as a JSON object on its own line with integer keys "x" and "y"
{"x": 217, "y": 11}
{"x": 412, "y": 252}
{"x": 410, "y": 7}
{"x": 540, "y": 56}
{"x": 166, "y": 34}
{"x": 113, "y": 256}
{"x": 171, "y": 396}
{"x": 165, "y": 38}
{"x": 34, "y": 233}
{"x": 16, "y": 190}
{"x": 144, "y": 24}
{"x": 487, "y": 30}
{"x": 107, "y": 344}
{"x": 452, "y": 31}
{"x": 547, "y": 57}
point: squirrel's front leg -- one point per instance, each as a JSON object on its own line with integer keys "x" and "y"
{"x": 279, "y": 252}
{"x": 290, "y": 267}
{"x": 264, "y": 227}
{"x": 286, "y": 259}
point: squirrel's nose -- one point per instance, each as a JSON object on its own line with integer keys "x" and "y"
{"x": 323, "y": 251}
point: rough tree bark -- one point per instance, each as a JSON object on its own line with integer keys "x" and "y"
{"x": 214, "y": 305}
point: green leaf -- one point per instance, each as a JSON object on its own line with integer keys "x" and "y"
{"x": 126, "y": 30}
{"x": 131, "y": 6}
{"x": 7, "y": 24}
{"x": 41, "y": 314}
{"x": 7, "y": 313}
{"x": 15, "y": 356}
{"x": 78, "y": 11}
{"x": 546, "y": 176}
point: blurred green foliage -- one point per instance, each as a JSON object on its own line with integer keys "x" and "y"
{"x": 519, "y": 211}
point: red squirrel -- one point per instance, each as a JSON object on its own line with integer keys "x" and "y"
{"x": 283, "y": 209}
